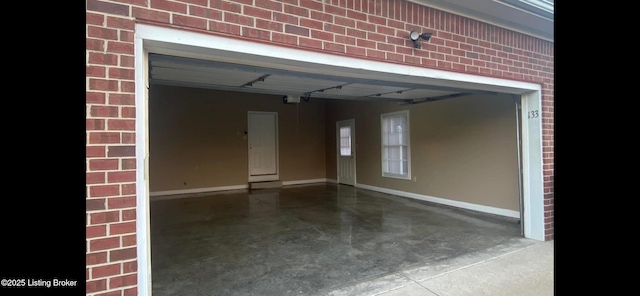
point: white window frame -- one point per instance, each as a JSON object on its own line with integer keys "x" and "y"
{"x": 404, "y": 113}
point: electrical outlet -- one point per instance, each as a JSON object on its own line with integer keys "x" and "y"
{"x": 415, "y": 179}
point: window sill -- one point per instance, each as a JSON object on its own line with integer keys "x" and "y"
{"x": 402, "y": 177}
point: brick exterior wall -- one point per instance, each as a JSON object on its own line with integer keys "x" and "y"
{"x": 375, "y": 30}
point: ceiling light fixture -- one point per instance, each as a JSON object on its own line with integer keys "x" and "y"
{"x": 415, "y": 36}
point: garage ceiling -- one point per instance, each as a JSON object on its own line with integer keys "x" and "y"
{"x": 190, "y": 72}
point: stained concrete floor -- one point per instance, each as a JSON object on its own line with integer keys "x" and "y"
{"x": 329, "y": 239}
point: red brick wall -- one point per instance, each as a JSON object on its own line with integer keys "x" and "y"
{"x": 375, "y": 30}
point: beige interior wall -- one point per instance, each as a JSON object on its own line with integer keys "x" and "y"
{"x": 463, "y": 149}
{"x": 197, "y": 139}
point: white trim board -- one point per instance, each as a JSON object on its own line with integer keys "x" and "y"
{"x": 143, "y": 232}
{"x": 443, "y": 201}
{"x": 303, "y": 182}
{"x": 197, "y": 190}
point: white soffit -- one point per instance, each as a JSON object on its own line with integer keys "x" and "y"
{"x": 531, "y": 17}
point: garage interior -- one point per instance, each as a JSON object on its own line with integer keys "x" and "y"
{"x": 322, "y": 237}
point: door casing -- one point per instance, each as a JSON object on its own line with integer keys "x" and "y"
{"x": 252, "y": 130}
{"x": 349, "y": 161}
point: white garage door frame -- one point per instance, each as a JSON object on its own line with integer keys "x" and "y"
{"x": 165, "y": 40}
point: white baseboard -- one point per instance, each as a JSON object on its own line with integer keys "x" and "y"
{"x": 197, "y": 190}
{"x": 300, "y": 182}
{"x": 226, "y": 188}
{"x": 448, "y": 202}
{"x": 458, "y": 204}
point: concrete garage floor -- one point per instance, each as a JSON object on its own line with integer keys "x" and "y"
{"x": 329, "y": 239}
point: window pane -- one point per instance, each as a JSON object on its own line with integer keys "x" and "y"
{"x": 386, "y": 125}
{"x": 345, "y": 141}
{"x": 394, "y": 153}
{"x": 393, "y": 139}
{"x": 345, "y": 131}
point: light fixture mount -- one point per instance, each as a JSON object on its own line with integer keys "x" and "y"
{"x": 414, "y": 35}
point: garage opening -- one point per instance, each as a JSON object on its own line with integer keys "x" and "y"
{"x": 473, "y": 119}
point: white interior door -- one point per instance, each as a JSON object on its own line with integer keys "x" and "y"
{"x": 263, "y": 146}
{"x": 345, "y": 131}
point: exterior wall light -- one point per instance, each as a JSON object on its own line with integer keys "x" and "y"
{"x": 415, "y": 36}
